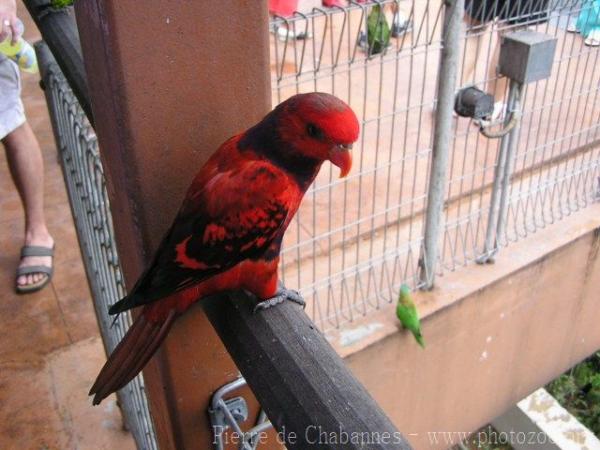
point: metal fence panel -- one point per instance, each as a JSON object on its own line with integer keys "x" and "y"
{"x": 555, "y": 167}
{"x": 84, "y": 178}
{"x": 356, "y": 240}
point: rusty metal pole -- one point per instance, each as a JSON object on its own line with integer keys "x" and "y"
{"x": 169, "y": 81}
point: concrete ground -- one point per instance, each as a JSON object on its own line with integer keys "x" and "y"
{"x": 50, "y": 349}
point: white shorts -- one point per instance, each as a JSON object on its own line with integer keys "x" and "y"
{"x": 12, "y": 113}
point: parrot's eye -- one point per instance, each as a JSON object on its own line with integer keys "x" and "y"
{"x": 314, "y": 131}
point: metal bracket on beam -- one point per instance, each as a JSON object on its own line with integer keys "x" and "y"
{"x": 298, "y": 378}
{"x": 227, "y": 414}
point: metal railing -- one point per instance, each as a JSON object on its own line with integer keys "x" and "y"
{"x": 77, "y": 148}
{"x": 355, "y": 241}
{"x": 556, "y": 160}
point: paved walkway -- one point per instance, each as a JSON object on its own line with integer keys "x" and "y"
{"x": 50, "y": 349}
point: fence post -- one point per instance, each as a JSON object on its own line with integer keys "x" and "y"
{"x": 447, "y": 76}
{"x": 77, "y": 151}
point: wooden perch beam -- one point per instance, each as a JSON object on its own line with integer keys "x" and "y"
{"x": 307, "y": 391}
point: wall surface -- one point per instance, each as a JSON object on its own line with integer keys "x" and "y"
{"x": 509, "y": 329}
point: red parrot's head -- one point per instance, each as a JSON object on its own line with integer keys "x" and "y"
{"x": 319, "y": 126}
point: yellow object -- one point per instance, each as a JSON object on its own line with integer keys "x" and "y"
{"x": 21, "y": 53}
{"x": 8, "y": 49}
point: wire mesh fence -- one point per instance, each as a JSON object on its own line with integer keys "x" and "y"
{"x": 82, "y": 169}
{"x": 556, "y": 163}
{"x": 357, "y": 239}
{"x": 354, "y": 241}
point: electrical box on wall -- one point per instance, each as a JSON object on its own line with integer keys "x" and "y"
{"x": 527, "y": 56}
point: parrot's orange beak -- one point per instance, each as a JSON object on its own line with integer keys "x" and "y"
{"x": 340, "y": 156}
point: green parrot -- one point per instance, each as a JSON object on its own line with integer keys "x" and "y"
{"x": 378, "y": 31}
{"x": 408, "y": 314}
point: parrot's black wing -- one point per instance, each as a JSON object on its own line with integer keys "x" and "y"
{"x": 238, "y": 219}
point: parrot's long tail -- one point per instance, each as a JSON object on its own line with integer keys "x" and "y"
{"x": 131, "y": 354}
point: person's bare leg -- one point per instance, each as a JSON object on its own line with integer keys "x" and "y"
{"x": 472, "y": 50}
{"x": 27, "y": 169}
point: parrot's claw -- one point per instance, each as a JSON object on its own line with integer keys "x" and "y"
{"x": 281, "y": 296}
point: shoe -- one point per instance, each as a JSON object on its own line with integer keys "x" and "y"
{"x": 572, "y": 28}
{"x": 401, "y": 25}
{"x": 334, "y": 3}
{"x": 283, "y": 33}
{"x": 593, "y": 39}
{"x": 361, "y": 42}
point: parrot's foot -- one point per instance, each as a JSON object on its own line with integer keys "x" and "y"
{"x": 281, "y": 296}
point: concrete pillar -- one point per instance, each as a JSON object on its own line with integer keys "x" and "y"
{"x": 170, "y": 81}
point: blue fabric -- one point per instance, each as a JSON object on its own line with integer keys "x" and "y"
{"x": 589, "y": 17}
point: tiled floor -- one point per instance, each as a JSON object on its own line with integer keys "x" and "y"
{"x": 50, "y": 350}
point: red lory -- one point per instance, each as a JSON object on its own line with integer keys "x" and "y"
{"x": 228, "y": 232}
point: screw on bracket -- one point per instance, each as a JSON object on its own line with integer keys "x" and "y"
{"x": 236, "y": 406}
{"x": 228, "y": 414}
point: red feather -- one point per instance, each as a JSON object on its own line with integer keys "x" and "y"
{"x": 229, "y": 229}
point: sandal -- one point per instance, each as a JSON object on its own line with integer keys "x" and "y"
{"x": 34, "y": 250}
{"x": 593, "y": 39}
